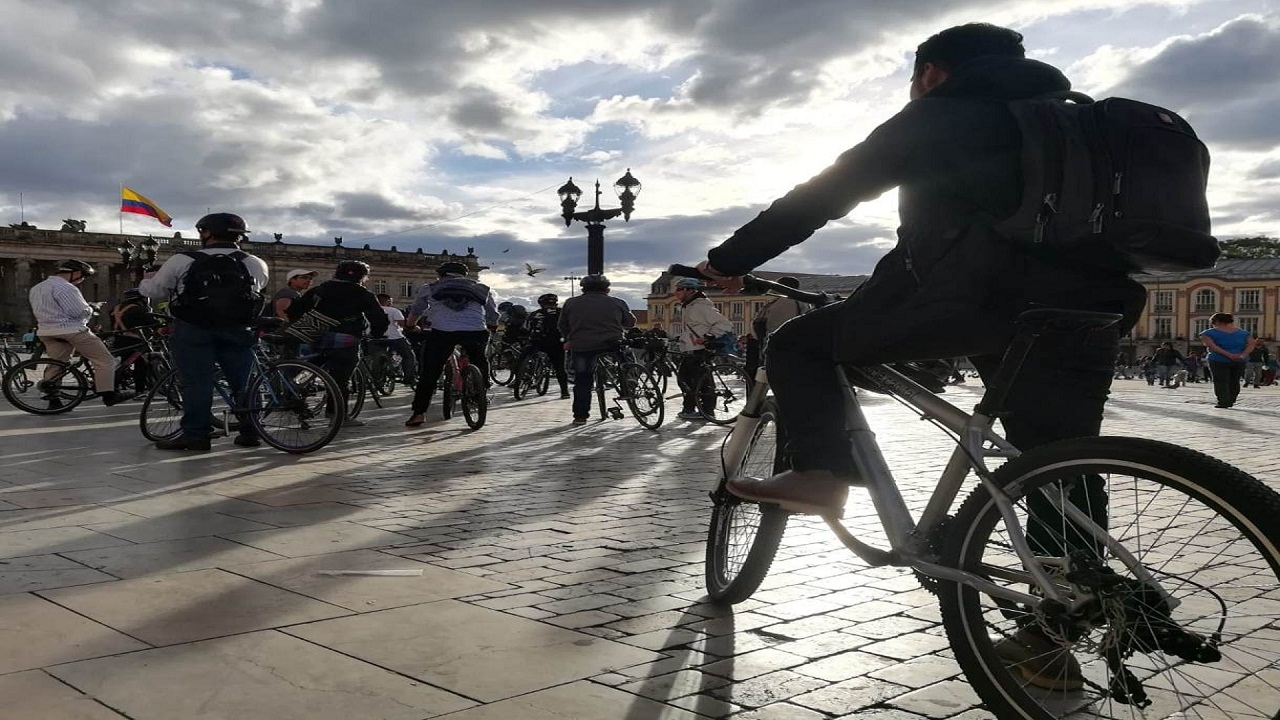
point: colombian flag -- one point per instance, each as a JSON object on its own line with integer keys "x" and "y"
{"x": 135, "y": 202}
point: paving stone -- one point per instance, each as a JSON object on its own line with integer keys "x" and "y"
{"x": 169, "y": 556}
{"x": 845, "y": 665}
{"x": 767, "y": 689}
{"x": 576, "y": 700}
{"x": 36, "y": 633}
{"x": 674, "y": 685}
{"x": 49, "y": 541}
{"x": 34, "y": 694}
{"x": 938, "y": 700}
{"x": 849, "y": 695}
{"x": 317, "y": 539}
{"x": 780, "y": 711}
{"x": 919, "y": 672}
{"x": 751, "y": 664}
{"x": 41, "y": 572}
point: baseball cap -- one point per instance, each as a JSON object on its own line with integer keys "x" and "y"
{"x": 298, "y": 273}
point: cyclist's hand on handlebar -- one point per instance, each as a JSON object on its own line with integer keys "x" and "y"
{"x": 729, "y": 284}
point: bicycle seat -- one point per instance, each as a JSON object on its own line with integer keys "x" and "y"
{"x": 1063, "y": 320}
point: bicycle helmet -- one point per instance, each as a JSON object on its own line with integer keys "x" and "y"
{"x": 548, "y": 299}
{"x": 594, "y": 282}
{"x": 688, "y": 283}
{"x": 132, "y": 295}
{"x": 222, "y": 224}
{"x": 80, "y": 266}
{"x": 505, "y": 305}
{"x": 452, "y": 268}
{"x": 353, "y": 270}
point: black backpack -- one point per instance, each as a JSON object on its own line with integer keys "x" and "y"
{"x": 1115, "y": 183}
{"x": 217, "y": 291}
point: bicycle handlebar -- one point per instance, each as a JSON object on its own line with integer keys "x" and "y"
{"x": 760, "y": 285}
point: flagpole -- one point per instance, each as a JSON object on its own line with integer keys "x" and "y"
{"x": 122, "y": 208}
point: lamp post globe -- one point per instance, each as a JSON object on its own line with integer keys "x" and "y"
{"x": 627, "y": 188}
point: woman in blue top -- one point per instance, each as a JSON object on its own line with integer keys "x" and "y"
{"x": 1229, "y": 347}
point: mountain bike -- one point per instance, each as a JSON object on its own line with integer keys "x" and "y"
{"x": 503, "y": 358}
{"x": 1167, "y": 600}
{"x": 532, "y": 375}
{"x": 720, "y": 383}
{"x": 293, "y": 405}
{"x": 462, "y": 383}
{"x": 633, "y": 385}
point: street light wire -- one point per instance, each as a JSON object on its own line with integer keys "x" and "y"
{"x": 459, "y": 217}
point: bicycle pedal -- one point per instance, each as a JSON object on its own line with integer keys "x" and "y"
{"x": 615, "y": 413}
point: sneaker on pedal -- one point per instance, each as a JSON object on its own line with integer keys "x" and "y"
{"x": 690, "y": 415}
{"x": 115, "y": 397}
{"x": 1040, "y": 661}
{"x": 248, "y": 441}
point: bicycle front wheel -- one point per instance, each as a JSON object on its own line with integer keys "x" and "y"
{"x": 295, "y": 406}
{"x": 643, "y": 396}
{"x": 722, "y": 393}
{"x": 161, "y": 416}
{"x": 744, "y": 536}
{"x": 447, "y": 395}
{"x": 45, "y": 387}
{"x": 475, "y": 398}
{"x": 502, "y": 366}
{"x": 357, "y": 389}
{"x": 1205, "y": 532}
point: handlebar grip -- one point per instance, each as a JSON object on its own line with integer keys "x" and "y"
{"x": 686, "y": 271}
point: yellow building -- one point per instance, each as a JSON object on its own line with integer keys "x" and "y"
{"x": 1179, "y": 304}
{"x": 664, "y": 311}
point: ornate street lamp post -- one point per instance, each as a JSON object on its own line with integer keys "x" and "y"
{"x": 137, "y": 259}
{"x": 627, "y": 188}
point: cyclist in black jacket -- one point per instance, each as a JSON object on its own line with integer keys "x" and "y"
{"x": 544, "y": 334}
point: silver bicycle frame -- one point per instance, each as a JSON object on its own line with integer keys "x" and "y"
{"x": 907, "y": 537}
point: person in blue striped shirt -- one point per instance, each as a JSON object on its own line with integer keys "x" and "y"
{"x": 63, "y": 317}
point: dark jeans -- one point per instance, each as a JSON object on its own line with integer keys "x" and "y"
{"x": 555, "y": 351}
{"x": 1226, "y": 381}
{"x": 435, "y": 353}
{"x": 341, "y": 365}
{"x": 584, "y": 381}
{"x": 690, "y": 372}
{"x": 196, "y": 351}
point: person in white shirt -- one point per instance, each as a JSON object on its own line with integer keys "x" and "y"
{"x": 397, "y": 342}
{"x": 63, "y": 317}
{"x": 698, "y": 319}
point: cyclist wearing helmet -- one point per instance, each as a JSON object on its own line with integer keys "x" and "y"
{"x": 544, "y": 335}
{"x": 460, "y": 311}
{"x": 591, "y": 323}
{"x": 199, "y": 349}
{"x": 63, "y": 317}
{"x": 355, "y": 307}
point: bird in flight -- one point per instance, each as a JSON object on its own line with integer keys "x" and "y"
{"x": 507, "y": 250}
{"x": 531, "y": 270}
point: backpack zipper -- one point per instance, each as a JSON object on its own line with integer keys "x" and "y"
{"x": 1047, "y": 209}
{"x": 1116, "y": 182}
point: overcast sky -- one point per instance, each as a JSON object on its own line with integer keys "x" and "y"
{"x": 449, "y": 124}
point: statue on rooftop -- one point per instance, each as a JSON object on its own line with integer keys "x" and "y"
{"x": 70, "y": 225}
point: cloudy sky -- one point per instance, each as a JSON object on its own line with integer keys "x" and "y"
{"x": 449, "y": 124}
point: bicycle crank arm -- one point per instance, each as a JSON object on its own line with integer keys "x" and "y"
{"x": 875, "y": 557}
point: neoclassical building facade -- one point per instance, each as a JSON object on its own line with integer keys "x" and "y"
{"x": 1179, "y": 305}
{"x": 28, "y": 255}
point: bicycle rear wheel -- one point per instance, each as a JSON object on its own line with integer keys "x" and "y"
{"x": 295, "y": 406}
{"x": 357, "y": 389}
{"x": 1208, "y": 533}
{"x": 475, "y": 398}
{"x": 161, "y": 415}
{"x": 643, "y": 396}
{"x": 525, "y": 378}
{"x": 502, "y": 366}
{"x": 27, "y": 389}
{"x": 722, "y": 393}
{"x": 447, "y": 394}
{"x": 543, "y": 374}
{"x": 606, "y": 371}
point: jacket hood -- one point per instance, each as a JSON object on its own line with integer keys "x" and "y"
{"x": 1001, "y": 78}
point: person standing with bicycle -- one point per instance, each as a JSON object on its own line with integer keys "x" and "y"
{"x": 699, "y": 319}
{"x": 397, "y": 342}
{"x": 460, "y": 311}
{"x": 591, "y": 323}
{"x": 544, "y": 335}
{"x": 63, "y": 316}
{"x": 214, "y": 295}
{"x": 345, "y": 299}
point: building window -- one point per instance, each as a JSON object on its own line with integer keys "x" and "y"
{"x": 1249, "y": 324}
{"x": 756, "y": 307}
{"x": 1249, "y": 300}
{"x": 1206, "y": 301}
{"x": 1162, "y": 301}
{"x": 406, "y": 289}
{"x": 1163, "y": 328}
{"x": 736, "y": 311}
{"x": 737, "y": 328}
{"x": 1198, "y": 326}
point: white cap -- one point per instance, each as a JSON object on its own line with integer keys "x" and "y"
{"x": 298, "y": 273}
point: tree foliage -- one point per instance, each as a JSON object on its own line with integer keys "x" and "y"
{"x": 1250, "y": 247}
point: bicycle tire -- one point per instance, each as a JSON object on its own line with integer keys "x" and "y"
{"x": 605, "y": 370}
{"x": 743, "y": 536}
{"x": 1227, "y": 528}
{"x": 446, "y": 393}
{"x": 357, "y": 388}
{"x": 384, "y": 372}
{"x": 640, "y": 391}
{"x": 542, "y": 373}
{"x": 9, "y": 359}
{"x": 728, "y": 385}
{"x": 161, "y": 414}
{"x": 522, "y": 380}
{"x": 503, "y": 365}
{"x": 295, "y": 406}
{"x": 26, "y": 389}
{"x": 475, "y": 398}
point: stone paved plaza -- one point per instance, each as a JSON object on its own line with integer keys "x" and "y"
{"x": 561, "y": 573}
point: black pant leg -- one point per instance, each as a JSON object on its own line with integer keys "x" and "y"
{"x": 435, "y": 352}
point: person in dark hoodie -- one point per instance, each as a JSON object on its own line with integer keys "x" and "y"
{"x": 950, "y": 287}
{"x": 356, "y": 308}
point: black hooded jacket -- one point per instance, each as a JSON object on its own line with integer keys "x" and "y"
{"x": 953, "y": 152}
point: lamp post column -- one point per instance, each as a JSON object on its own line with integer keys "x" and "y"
{"x": 595, "y": 249}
